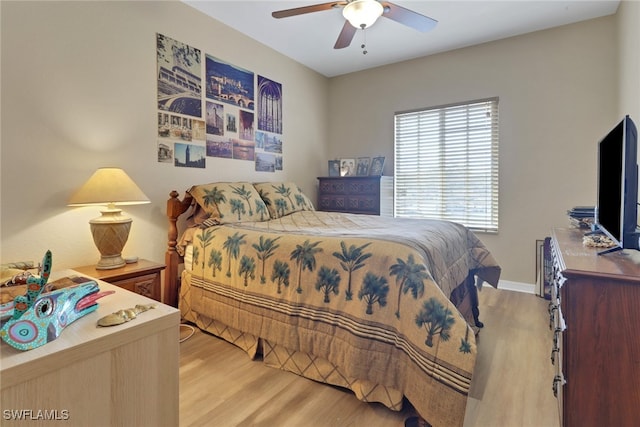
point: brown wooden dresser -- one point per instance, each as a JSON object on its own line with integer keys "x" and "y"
{"x": 595, "y": 315}
{"x": 352, "y": 194}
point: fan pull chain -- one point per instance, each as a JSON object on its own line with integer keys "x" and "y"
{"x": 364, "y": 41}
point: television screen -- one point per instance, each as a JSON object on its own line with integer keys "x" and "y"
{"x": 616, "y": 209}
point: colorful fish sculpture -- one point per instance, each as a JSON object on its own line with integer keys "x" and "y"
{"x": 39, "y": 318}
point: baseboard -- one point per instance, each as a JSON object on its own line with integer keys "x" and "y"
{"x": 508, "y": 285}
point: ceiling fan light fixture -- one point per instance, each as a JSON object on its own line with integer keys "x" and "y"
{"x": 362, "y": 13}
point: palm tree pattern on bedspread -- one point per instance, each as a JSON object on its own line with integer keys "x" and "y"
{"x": 434, "y": 318}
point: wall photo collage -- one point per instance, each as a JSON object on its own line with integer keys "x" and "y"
{"x": 230, "y": 113}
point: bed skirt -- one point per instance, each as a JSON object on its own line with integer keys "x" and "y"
{"x": 304, "y": 364}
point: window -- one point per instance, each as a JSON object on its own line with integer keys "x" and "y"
{"x": 446, "y": 164}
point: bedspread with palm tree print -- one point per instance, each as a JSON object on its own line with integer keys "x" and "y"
{"x": 369, "y": 294}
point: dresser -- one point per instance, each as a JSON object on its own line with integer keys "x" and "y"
{"x": 372, "y": 195}
{"x": 595, "y": 316}
{"x": 125, "y": 375}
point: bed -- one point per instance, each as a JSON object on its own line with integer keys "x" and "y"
{"x": 385, "y": 307}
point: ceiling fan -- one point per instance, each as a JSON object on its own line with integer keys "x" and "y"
{"x": 361, "y": 14}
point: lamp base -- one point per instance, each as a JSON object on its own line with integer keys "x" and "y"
{"x": 110, "y": 262}
{"x": 110, "y": 234}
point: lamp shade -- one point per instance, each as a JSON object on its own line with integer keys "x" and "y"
{"x": 109, "y": 186}
{"x": 362, "y": 13}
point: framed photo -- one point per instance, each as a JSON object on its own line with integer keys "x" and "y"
{"x": 334, "y": 167}
{"x": 362, "y": 166}
{"x": 377, "y": 163}
{"x": 347, "y": 167}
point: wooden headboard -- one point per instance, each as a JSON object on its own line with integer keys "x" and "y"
{"x": 175, "y": 208}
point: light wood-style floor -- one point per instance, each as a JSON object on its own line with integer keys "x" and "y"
{"x": 511, "y": 387}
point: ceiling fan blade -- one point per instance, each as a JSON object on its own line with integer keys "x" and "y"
{"x": 346, "y": 35}
{"x": 307, "y": 9}
{"x": 408, "y": 17}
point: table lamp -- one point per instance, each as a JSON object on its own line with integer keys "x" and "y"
{"x": 110, "y": 187}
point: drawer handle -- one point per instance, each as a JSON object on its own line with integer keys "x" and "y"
{"x": 556, "y": 348}
{"x": 552, "y": 315}
{"x": 558, "y": 381}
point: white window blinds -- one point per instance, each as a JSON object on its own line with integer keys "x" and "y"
{"x": 446, "y": 164}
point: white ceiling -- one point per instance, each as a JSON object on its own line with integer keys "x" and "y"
{"x": 309, "y": 38}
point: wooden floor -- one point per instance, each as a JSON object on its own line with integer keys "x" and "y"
{"x": 220, "y": 386}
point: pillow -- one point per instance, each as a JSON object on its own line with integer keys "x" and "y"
{"x": 200, "y": 216}
{"x": 283, "y": 198}
{"x": 230, "y": 202}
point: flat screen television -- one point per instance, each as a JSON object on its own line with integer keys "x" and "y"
{"x": 616, "y": 213}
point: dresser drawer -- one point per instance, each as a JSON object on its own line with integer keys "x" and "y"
{"x": 350, "y": 185}
{"x": 147, "y": 285}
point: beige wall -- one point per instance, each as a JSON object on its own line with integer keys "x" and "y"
{"x": 558, "y": 96}
{"x": 629, "y": 55}
{"x": 79, "y": 92}
{"x": 629, "y": 45}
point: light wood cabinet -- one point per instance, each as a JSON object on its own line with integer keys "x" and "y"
{"x": 125, "y": 375}
{"x": 595, "y": 315}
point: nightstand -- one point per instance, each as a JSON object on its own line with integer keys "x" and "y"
{"x": 142, "y": 277}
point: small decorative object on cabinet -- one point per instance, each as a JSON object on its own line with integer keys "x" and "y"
{"x": 362, "y": 168}
{"x": 35, "y": 320}
{"x": 347, "y": 167}
{"x": 354, "y": 194}
{"x": 334, "y": 167}
{"x": 595, "y": 313}
{"x": 142, "y": 277}
{"x": 377, "y": 164}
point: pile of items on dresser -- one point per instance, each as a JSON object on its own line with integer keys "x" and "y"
{"x": 582, "y": 216}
